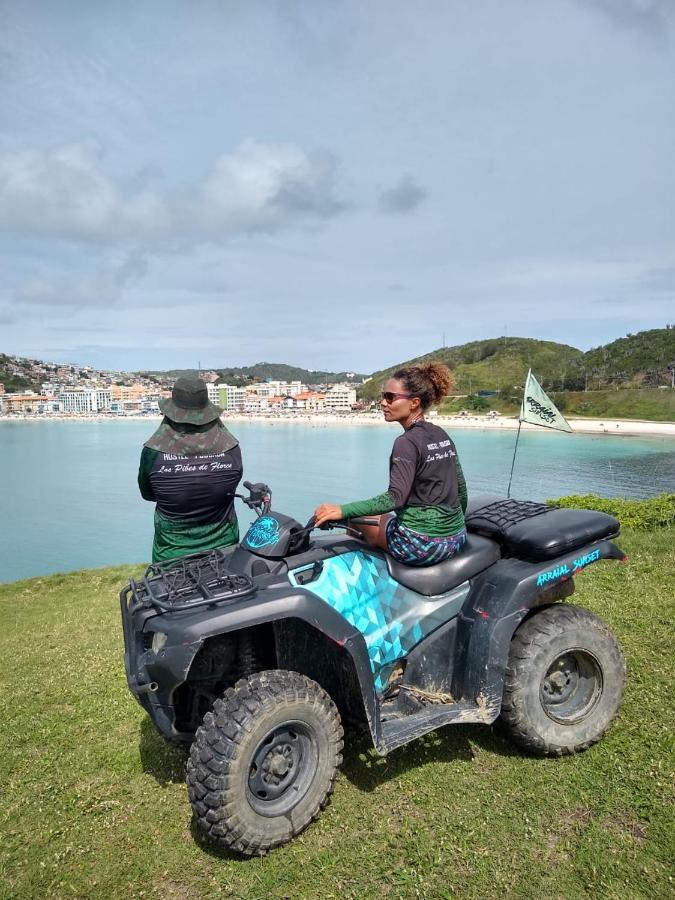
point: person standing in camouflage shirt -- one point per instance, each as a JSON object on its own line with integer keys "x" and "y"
{"x": 190, "y": 468}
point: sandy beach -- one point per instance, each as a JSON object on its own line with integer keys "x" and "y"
{"x": 621, "y": 427}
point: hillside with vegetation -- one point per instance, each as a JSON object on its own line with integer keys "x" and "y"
{"x": 264, "y": 371}
{"x": 648, "y": 404}
{"x": 644, "y": 358}
{"x": 15, "y": 375}
{"x": 498, "y": 364}
{"x": 627, "y": 378}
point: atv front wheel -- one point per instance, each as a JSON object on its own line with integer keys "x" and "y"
{"x": 564, "y": 682}
{"x": 263, "y": 764}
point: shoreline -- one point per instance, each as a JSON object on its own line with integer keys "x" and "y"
{"x": 621, "y": 427}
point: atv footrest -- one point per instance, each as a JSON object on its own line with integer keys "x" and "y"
{"x": 399, "y": 730}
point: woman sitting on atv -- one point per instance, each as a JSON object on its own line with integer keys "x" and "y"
{"x": 427, "y": 490}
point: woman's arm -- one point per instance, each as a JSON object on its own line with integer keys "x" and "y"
{"x": 401, "y": 477}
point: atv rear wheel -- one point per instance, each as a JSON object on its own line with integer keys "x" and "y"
{"x": 263, "y": 764}
{"x": 564, "y": 682}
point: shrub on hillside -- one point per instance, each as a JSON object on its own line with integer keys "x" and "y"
{"x": 655, "y": 512}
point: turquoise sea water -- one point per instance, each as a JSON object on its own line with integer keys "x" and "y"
{"x": 69, "y": 500}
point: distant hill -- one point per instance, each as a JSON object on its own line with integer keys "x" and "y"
{"x": 497, "y": 364}
{"x": 641, "y": 358}
{"x": 13, "y": 381}
{"x": 263, "y": 371}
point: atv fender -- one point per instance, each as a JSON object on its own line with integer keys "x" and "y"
{"x": 499, "y": 601}
{"x": 185, "y": 636}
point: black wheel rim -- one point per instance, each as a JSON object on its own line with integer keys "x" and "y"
{"x": 571, "y": 687}
{"x": 282, "y": 768}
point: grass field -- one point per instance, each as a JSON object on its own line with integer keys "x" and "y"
{"x": 93, "y": 802}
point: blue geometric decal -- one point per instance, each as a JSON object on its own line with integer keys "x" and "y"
{"x": 262, "y": 533}
{"x": 391, "y": 618}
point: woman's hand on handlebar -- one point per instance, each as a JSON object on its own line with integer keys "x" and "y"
{"x": 327, "y": 512}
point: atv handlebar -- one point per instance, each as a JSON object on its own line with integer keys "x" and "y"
{"x": 259, "y": 499}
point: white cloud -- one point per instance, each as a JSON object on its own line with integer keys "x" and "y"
{"x": 66, "y": 193}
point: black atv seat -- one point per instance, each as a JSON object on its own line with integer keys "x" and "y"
{"x": 477, "y": 554}
{"x": 536, "y": 532}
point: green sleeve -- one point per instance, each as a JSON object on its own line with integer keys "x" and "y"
{"x": 148, "y": 458}
{"x": 461, "y": 484}
{"x": 374, "y": 507}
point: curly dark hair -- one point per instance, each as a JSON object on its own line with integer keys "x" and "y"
{"x": 430, "y": 382}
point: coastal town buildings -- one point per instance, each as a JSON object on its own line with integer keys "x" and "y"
{"x": 128, "y": 391}
{"x": 29, "y": 403}
{"x": 83, "y": 391}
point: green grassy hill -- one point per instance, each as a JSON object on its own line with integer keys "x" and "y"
{"x": 15, "y": 383}
{"x": 495, "y": 365}
{"x": 263, "y": 370}
{"x": 93, "y": 802}
{"x": 641, "y": 358}
{"x": 620, "y": 379}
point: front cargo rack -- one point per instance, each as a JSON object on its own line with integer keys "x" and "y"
{"x": 192, "y": 581}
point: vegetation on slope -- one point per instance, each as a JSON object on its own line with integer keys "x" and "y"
{"x": 583, "y": 384}
{"x": 498, "y": 364}
{"x": 656, "y": 512}
{"x": 263, "y": 370}
{"x": 94, "y": 803}
{"x": 637, "y": 358}
{"x": 650, "y": 404}
{"x": 15, "y": 383}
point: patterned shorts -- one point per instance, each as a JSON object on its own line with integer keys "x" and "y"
{"x": 416, "y": 549}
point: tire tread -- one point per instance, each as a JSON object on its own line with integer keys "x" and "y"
{"x": 218, "y": 742}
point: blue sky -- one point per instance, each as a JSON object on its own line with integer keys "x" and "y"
{"x": 336, "y": 185}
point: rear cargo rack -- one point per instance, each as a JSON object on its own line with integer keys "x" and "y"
{"x": 505, "y": 513}
{"x": 190, "y": 582}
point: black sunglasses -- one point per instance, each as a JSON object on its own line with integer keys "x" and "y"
{"x": 390, "y": 396}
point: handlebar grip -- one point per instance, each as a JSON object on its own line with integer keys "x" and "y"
{"x": 248, "y": 485}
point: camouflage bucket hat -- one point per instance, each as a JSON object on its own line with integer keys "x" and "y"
{"x": 189, "y": 403}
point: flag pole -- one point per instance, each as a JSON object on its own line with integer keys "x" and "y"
{"x": 520, "y": 423}
{"x": 513, "y": 461}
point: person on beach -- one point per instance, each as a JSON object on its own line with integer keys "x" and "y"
{"x": 190, "y": 468}
{"x": 427, "y": 491}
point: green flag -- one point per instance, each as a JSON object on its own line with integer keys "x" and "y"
{"x": 537, "y": 409}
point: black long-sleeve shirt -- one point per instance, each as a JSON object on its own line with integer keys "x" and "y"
{"x": 426, "y": 483}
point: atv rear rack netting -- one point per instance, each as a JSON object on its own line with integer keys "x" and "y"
{"x": 505, "y": 513}
{"x": 189, "y": 582}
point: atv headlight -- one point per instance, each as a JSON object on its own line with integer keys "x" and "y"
{"x": 158, "y": 641}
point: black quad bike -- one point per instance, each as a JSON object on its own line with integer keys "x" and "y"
{"x": 255, "y": 654}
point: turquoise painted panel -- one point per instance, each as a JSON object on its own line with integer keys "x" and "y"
{"x": 391, "y": 618}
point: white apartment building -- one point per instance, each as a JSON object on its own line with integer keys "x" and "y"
{"x": 85, "y": 401}
{"x": 340, "y": 396}
{"x": 228, "y": 396}
{"x": 279, "y": 388}
{"x": 213, "y": 390}
{"x": 254, "y": 403}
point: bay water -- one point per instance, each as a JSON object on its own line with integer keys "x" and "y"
{"x": 69, "y": 498}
